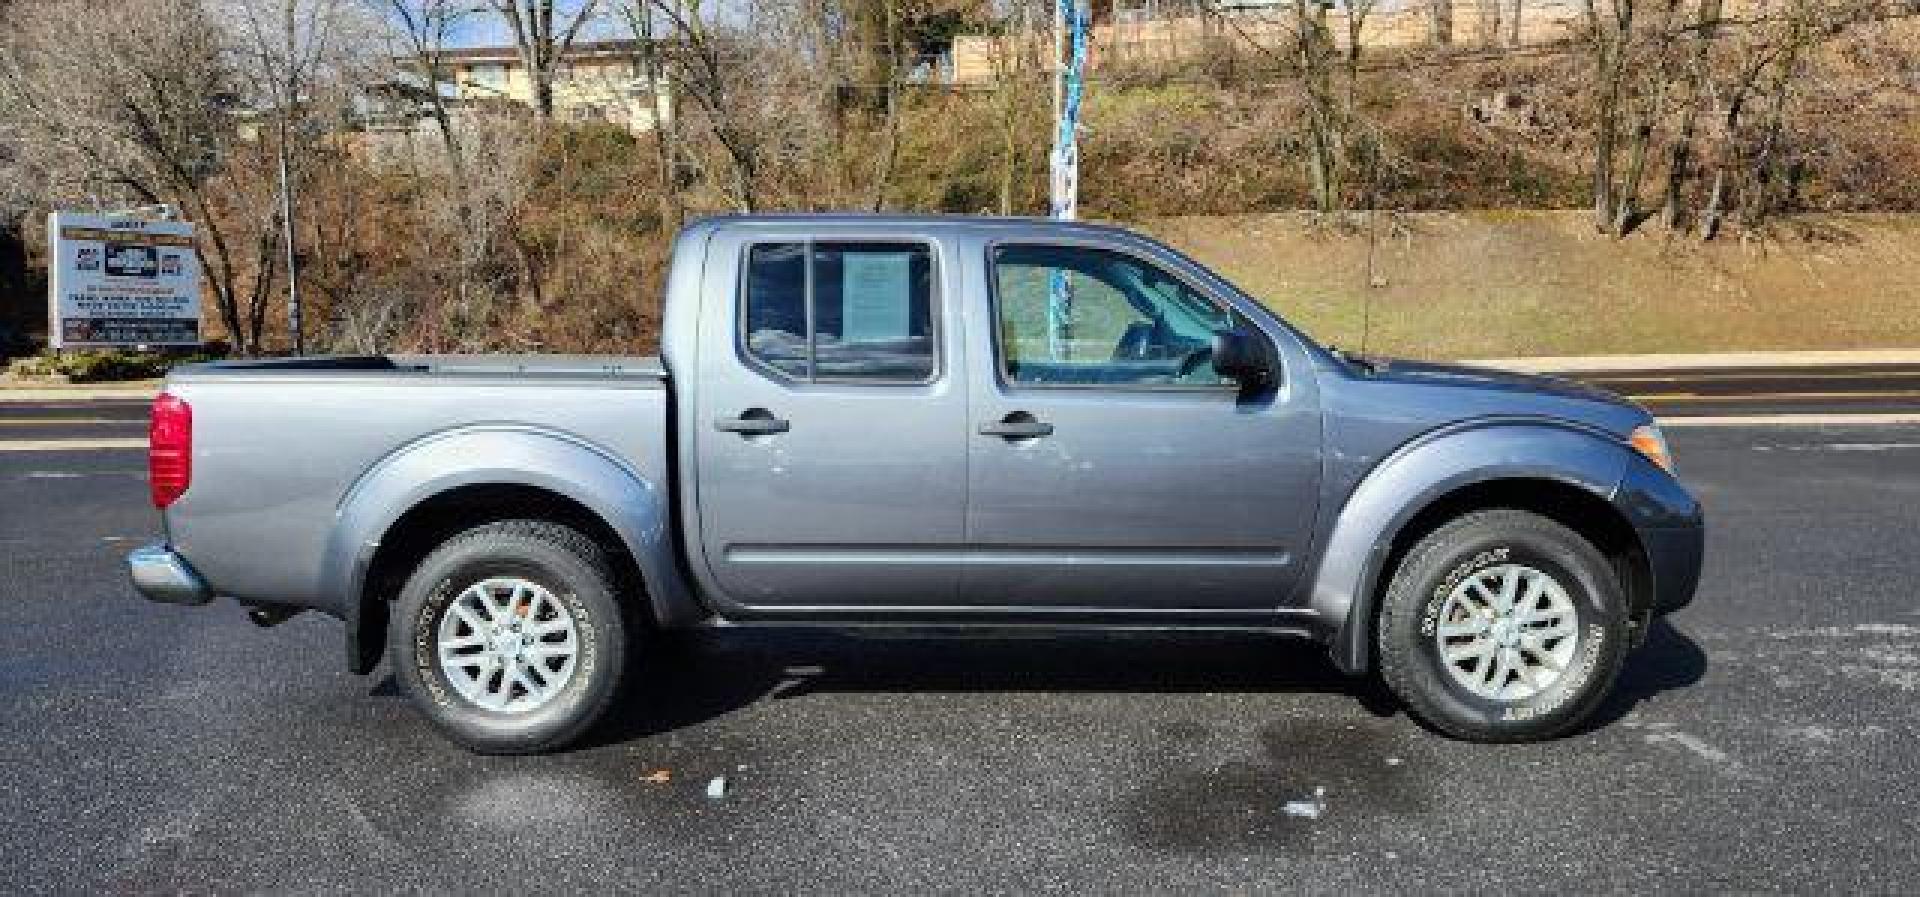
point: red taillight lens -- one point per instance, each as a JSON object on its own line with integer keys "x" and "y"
{"x": 169, "y": 448}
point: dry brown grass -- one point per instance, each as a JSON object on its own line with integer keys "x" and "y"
{"x": 1496, "y": 284}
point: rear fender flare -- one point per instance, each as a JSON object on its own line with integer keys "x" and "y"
{"x": 630, "y": 503}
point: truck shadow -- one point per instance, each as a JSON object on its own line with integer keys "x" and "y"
{"x": 694, "y": 677}
{"x": 1669, "y": 660}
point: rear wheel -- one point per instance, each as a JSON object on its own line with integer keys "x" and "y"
{"x": 1502, "y": 626}
{"x": 510, "y": 637}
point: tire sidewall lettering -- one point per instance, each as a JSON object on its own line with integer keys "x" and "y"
{"x": 1592, "y": 639}
{"x": 1437, "y": 599}
{"x": 425, "y": 628}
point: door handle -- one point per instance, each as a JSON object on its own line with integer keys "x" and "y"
{"x": 753, "y": 422}
{"x": 1018, "y": 425}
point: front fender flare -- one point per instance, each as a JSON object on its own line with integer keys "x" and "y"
{"x": 629, "y": 502}
{"x": 1424, "y": 471}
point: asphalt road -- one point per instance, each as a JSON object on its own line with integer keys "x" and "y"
{"x": 1766, "y": 738}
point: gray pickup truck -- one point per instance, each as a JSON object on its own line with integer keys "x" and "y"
{"x": 940, "y": 421}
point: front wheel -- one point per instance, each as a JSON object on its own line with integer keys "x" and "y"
{"x": 1502, "y": 626}
{"x": 510, "y": 637}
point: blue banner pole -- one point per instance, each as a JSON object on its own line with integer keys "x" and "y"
{"x": 1065, "y": 169}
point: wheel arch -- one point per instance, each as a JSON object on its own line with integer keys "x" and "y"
{"x": 1564, "y": 473}
{"x": 419, "y": 496}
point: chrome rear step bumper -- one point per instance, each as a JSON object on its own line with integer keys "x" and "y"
{"x": 161, "y": 575}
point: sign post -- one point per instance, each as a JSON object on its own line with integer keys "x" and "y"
{"x": 1070, "y": 34}
{"x": 121, "y": 280}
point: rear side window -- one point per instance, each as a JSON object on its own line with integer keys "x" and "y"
{"x": 840, "y": 311}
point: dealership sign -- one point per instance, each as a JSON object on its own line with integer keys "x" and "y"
{"x": 121, "y": 281}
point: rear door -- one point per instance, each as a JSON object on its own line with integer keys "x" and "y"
{"x": 1110, "y": 468}
{"x": 830, "y": 421}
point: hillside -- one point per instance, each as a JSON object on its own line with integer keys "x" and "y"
{"x": 1486, "y": 284}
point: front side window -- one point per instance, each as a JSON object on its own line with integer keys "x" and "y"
{"x": 840, "y": 311}
{"x": 1071, "y": 315}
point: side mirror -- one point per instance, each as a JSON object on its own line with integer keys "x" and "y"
{"x": 1240, "y": 356}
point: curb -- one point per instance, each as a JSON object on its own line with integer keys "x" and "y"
{"x": 1811, "y": 419}
{"x": 1582, "y": 364}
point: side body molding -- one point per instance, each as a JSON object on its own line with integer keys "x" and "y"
{"x": 633, "y": 503}
{"x": 1424, "y": 470}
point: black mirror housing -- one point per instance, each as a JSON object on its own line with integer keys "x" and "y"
{"x": 1240, "y": 356}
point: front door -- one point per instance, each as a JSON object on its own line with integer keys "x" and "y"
{"x": 831, "y": 447}
{"x": 1110, "y": 467}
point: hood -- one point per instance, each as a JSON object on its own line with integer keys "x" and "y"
{"x": 1426, "y": 373}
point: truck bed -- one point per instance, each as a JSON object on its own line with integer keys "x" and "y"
{"x": 285, "y": 447}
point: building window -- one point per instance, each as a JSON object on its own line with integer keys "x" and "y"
{"x": 488, "y": 76}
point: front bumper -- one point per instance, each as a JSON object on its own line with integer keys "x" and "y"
{"x": 161, "y": 575}
{"x": 1675, "y": 556}
{"x": 1672, "y": 529}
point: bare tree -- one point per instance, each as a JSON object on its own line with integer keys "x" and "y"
{"x": 1609, "y": 36}
{"x": 1329, "y": 71}
{"x": 1338, "y": 138}
{"x": 1015, "y": 62}
{"x": 1487, "y": 22}
{"x": 137, "y": 109}
{"x": 651, "y": 59}
{"x": 1681, "y": 152}
{"x": 296, "y": 63}
{"x": 543, "y": 33}
{"x": 889, "y": 72}
{"x": 1647, "y": 108}
{"x": 425, "y": 28}
{"x": 1754, "y": 90}
{"x": 1440, "y": 22}
{"x": 467, "y": 211}
{"x": 714, "y": 78}
{"x": 472, "y": 229}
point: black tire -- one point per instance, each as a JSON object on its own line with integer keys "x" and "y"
{"x": 572, "y": 569}
{"x": 1411, "y": 662}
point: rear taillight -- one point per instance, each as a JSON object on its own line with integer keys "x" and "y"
{"x": 169, "y": 448}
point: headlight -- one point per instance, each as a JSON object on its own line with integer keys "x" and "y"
{"x": 1648, "y": 441}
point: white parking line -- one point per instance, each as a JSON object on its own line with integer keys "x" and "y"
{"x": 60, "y": 421}
{"x": 12, "y": 395}
{"x": 69, "y": 445}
